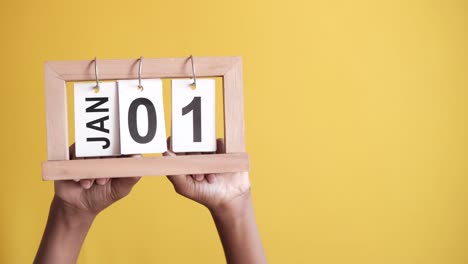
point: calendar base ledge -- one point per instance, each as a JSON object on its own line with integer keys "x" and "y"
{"x": 144, "y": 166}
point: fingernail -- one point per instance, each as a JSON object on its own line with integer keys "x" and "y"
{"x": 199, "y": 177}
{"x": 168, "y": 153}
{"x": 101, "y": 181}
{"x": 86, "y": 184}
{"x": 211, "y": 178}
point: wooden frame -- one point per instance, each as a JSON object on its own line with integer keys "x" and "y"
{"x": 59, "y": 167}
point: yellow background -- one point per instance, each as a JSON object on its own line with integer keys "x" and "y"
{"x": 356, "y": 118}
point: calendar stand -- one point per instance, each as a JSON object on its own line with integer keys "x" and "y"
{"x": 60, "y": 167}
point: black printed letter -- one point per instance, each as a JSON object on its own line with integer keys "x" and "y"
{"x": 100, "y": 101}
{"x": 106, "y": 141}
{"x": 101, "y": 124}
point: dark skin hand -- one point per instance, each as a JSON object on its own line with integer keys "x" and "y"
{"x": 73, "y": 209}
{"x": 228, "y": 197}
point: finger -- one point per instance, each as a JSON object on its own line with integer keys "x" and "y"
{"x": 129, "y": 156}
{"x": 179, "y": 180}
{"x": 102, "y": 181}
{"x": 71, "y": 151}
{"x": 169, "y": 153}
{"x": 169, "y": 146}
{"x": 169, "y": 143}
{"x": 86, "y": 183}
{"x": 220, "y": 148}
{"x": 198, "y": 177}
{"x": 210, "y": 178}
{"x": 176, "y": 180}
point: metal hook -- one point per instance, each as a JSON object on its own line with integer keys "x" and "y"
{"x": 96, "y": 73}
{"x": 194, "y": 84}
{"x": 140, "y": 87}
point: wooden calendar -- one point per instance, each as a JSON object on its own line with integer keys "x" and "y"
{"x": 119, "y": 111}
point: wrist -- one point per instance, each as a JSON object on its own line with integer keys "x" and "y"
{"x": 70, "y": 216}
{"x": 65, "y": 232}
{"x": 235, "y": 222}
{"x": 235, "y": 208}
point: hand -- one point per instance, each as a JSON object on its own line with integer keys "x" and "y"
{"x": 216, "y": 190}
{"x": 73, "y": 209}
{"x": 92, "y": 196}
{"x": 227, "y": 196}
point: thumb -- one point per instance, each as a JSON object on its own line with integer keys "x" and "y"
{"x": 176, "y": 180}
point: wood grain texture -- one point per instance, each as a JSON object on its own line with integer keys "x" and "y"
{"x": 131, "y": 167}
{"x": 151, "y": 68}
{"x": 57, "y": 73}
{"x": 234, "y": 109}
{"x": 56, "y": 115}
